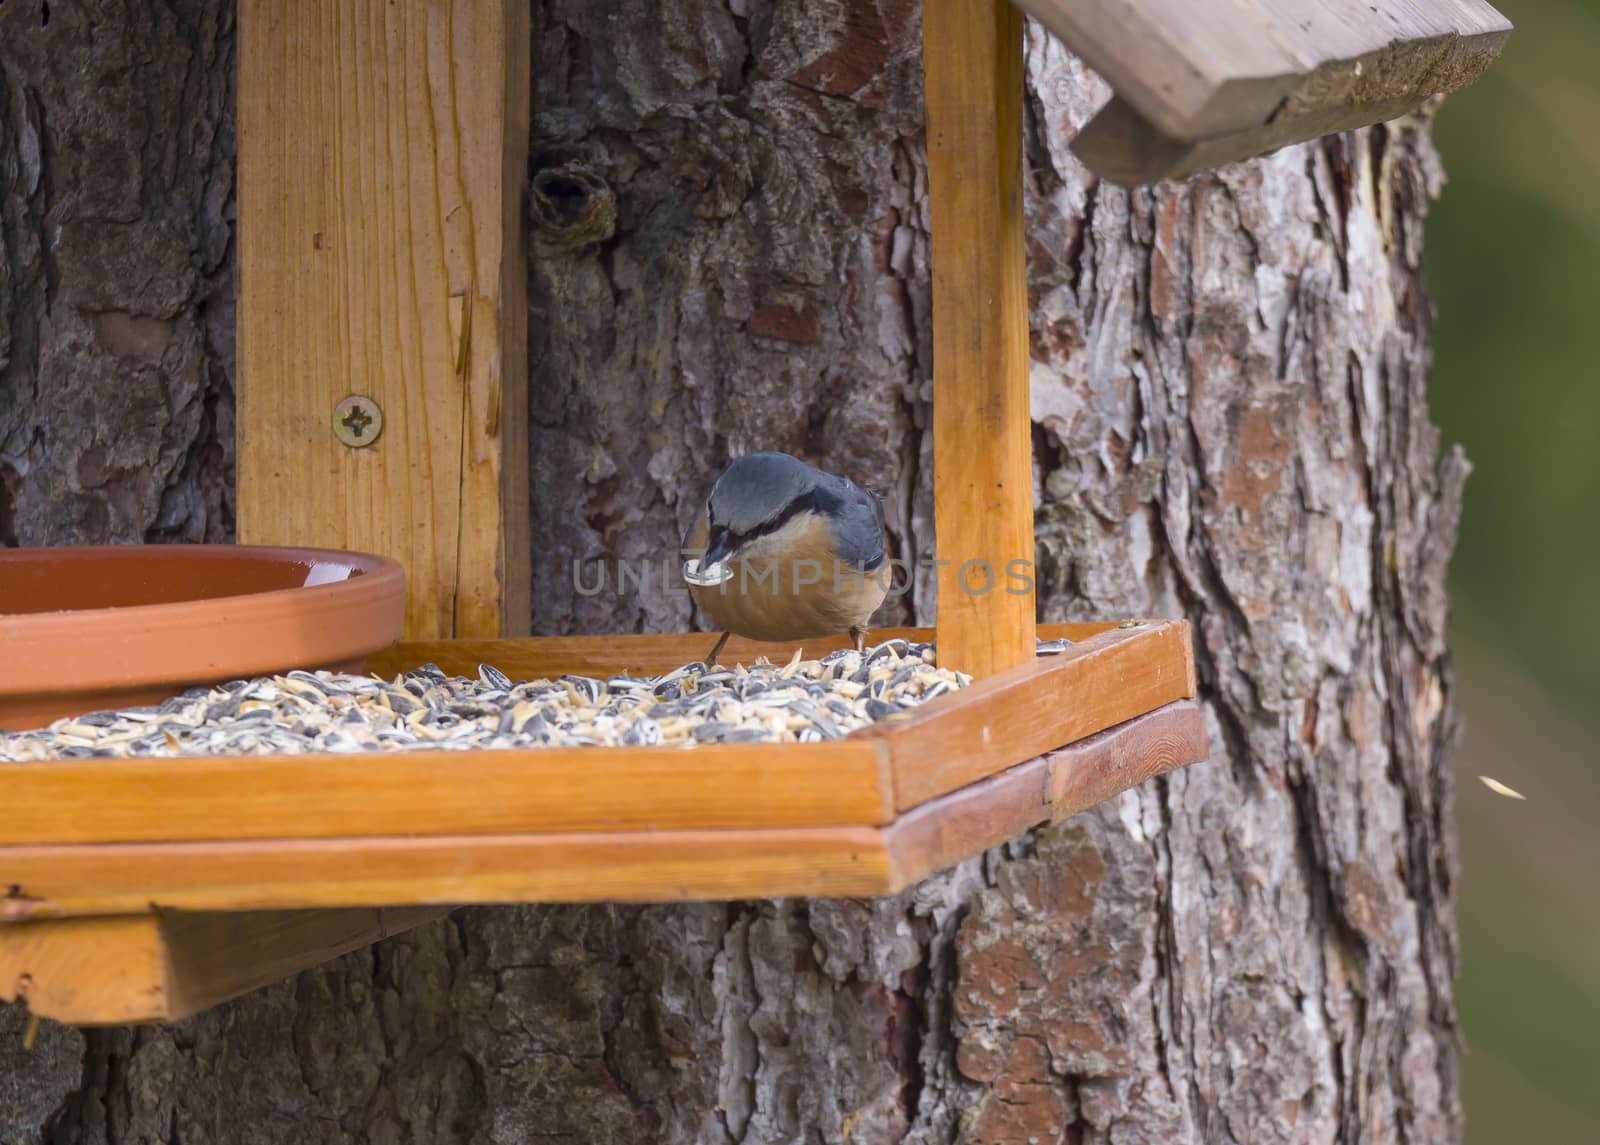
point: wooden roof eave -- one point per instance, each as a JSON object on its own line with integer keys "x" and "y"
{"x": 1200, "y": 83}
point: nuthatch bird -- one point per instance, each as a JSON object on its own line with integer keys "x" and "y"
{"x": 784, "y": 551}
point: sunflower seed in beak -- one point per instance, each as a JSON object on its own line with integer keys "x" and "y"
{"x": 706, "y": 576}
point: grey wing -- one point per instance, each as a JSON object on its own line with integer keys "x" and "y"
{"x": 858, "y": 529}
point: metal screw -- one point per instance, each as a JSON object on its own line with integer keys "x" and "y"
{"x": 1131, "y": 624}
{"x": 357, "y": 421}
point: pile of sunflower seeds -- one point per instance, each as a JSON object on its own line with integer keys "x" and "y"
{"x": 301, "y": 712}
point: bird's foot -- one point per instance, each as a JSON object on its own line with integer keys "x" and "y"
{"x": 711, "y": 660}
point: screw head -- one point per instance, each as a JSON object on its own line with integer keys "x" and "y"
{"x": 357, "y": 421}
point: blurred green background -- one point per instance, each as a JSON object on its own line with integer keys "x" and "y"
{"x": 1514, "y": 268}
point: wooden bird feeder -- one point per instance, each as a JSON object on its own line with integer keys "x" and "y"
{"x": 382, "y": 150}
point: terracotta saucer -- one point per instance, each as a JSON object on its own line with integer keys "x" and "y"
{"x": 87, "y": 629}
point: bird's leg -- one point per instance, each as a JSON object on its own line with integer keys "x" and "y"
{"x": 858, "y": 633}
{"x": 711, "y": 660}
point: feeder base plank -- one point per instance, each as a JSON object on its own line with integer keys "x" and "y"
{"x": 164, "y": 966}
{"x": 1105, "y": 765}
{"x": 943, "y": 831}
{"x": 284, "y": 874}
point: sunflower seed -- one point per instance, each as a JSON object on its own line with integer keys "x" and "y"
{"x": 303, "y": 712}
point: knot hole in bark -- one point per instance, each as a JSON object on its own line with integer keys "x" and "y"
{"x": 571, "y": 207}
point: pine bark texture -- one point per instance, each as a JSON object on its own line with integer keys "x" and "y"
{"x": 730, "y": 252}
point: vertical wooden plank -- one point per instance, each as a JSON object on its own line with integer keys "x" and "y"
{"x": 381, "y": 155}
{"x": 982, "y": 440}
{"x": 513, "y": 568}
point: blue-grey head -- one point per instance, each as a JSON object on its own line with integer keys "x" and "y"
{"x": 760, "y": 493}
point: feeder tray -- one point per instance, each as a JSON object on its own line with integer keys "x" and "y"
{"x": 383, "y": 408}
{"x": 208, "y": 839}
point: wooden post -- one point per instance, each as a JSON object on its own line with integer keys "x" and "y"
{"x": 982, "y": 438}
{"x": 382, "y": 150}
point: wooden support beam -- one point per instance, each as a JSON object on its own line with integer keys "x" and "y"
{"x": 982, "y": 433}
{"x": 162, "y": 966}
{"x": 382, "y": 150}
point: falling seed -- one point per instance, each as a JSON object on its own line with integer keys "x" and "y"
{"x": 1499, "y": 788}
{"x": 30, "y": 1034}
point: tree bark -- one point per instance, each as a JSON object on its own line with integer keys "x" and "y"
{"x": 116, "y": 271}
{"x": 730, "y": 252}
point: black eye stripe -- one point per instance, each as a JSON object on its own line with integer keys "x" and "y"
{"x": 813, "y": 500}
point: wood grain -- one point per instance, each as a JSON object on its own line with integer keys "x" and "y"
{"x": 1112, "y": 674}
{"x": 116, "y": 969}
{"x": 547, "y": 657}
{"x": 944, "y": 831}
{"x": 446, "y": 793}
{"x": 982, "y": 443}
{"x": 381, "y": 156}
{"x": 1104, "y": 681}
{"x": 1384, "y": 1049}
{"x": 964, "y": 823}
{"x": 85, "y": 970}
{"x": 1104, "y": 765}
{"x": 212, "y": 957}
{"x": 652, "y": 866}
{"x": 233, "y": 916}
{"x": 1207, "y": 71}
{"x": 1169, "y": 58}
{"x": 1122, "y": 146}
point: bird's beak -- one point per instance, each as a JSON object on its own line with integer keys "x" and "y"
{"x": 717, "y": 552}
{"x": 712, "y": 568}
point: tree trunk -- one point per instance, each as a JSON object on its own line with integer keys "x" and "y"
{"x": 731, "y": 252}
